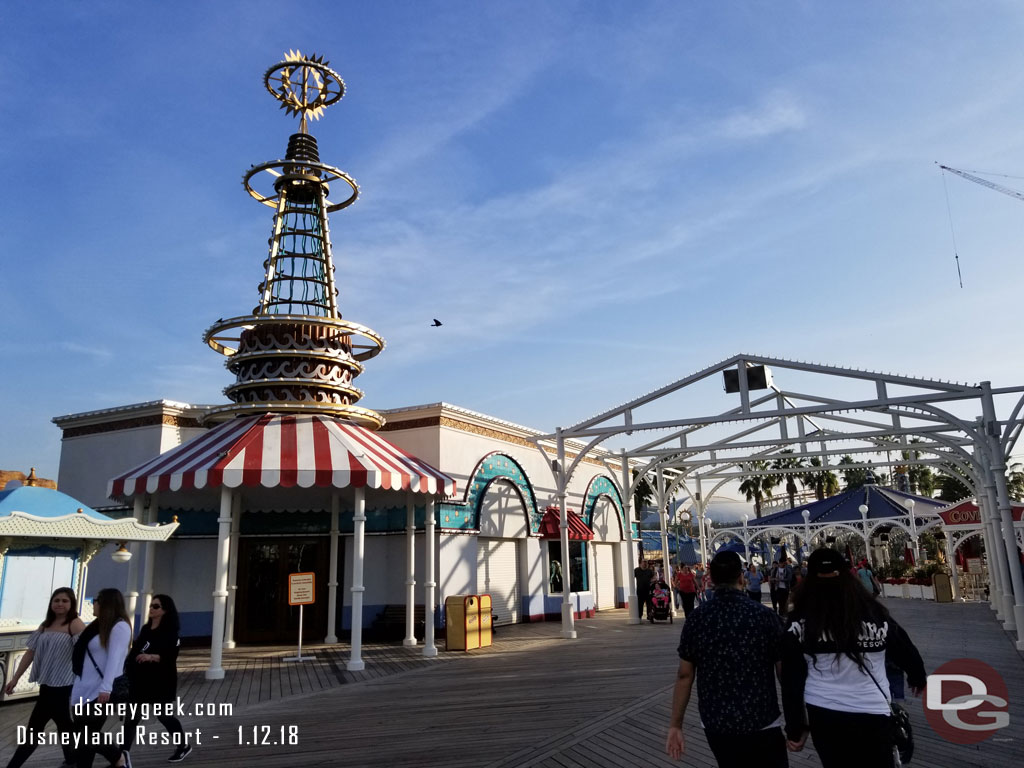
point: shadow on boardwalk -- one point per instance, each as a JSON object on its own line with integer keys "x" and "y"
{"x": 531, "y": 700}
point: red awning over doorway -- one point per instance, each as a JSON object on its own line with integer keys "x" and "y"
{"x": 578, "y": 530}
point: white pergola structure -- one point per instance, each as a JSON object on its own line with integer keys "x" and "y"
{"x": 861, "y": 512}
{"x": 706, "y": 438}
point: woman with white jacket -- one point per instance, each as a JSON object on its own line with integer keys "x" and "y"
{"x": 98, "y": 658}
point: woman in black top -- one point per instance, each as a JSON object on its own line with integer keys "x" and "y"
{"x": 152, "y": 667}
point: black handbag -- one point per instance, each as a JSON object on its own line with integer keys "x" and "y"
{"x": 899, "y": 721}
{"x": 902, "y": 734}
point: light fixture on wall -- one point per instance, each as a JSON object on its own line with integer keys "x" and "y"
{"x": 121, "y": 554}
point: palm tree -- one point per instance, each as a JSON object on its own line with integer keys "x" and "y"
{"x": 951, "y": 485}
{"x": 791, "y": 466}
{"x": 921, "y": 478}
{"x": 642, "y": 495}
{"x": 856, "y": 476}
{"x": 757, "y": 488}
{"x": 823, "y": 481}
{"x": 1015, "y": 481}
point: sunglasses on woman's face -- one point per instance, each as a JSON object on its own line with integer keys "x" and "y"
{"x": 155, "y": 605}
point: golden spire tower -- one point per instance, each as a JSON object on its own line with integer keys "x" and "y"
{"x": 295, "y": 353}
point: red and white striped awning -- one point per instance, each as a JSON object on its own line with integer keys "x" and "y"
{"x": 284, "y": 451}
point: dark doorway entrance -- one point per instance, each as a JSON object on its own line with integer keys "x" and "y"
{"x": 263, "y": 614}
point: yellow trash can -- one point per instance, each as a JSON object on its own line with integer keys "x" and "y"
{"x": 462, "y": 622}
{"x": 943, "y": 588}
{"x": 486, "y": 620}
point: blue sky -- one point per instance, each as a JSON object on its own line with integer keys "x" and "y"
{"x": 595, "y": 198}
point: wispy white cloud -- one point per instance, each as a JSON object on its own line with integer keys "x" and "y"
{"x": 97, "y": 353}
{"x": 779, "y": 113}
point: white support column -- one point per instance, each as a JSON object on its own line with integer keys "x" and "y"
{"x": 987, "y": 508}
{"x": 997, "y": 561}
{"x": 332, "y": 577}
{"x": 220, "y": 592}
{"x": 82, "y": 584}
{"x": 568, "y": 617}
{"x": 131, "y": 598}
{"x": 663, "y": 503}
{"x": 150, "y": 549}
{"x": 355, "y": 662}
{"x": 236, "y": 532}
{"x": 700, "y": 528}
{"x": 430, "y": 581}
{"x": 410, "y": 570}
{"x": 1010, "y": 541}
{"x": 954, "y": 576}
{"x": 627, "y": 539}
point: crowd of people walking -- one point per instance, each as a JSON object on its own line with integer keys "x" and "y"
{"x": 839, "y": 656}
{"x": 83, "y": 668}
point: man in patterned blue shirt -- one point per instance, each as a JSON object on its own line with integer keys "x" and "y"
{"x": 733, "y": 647}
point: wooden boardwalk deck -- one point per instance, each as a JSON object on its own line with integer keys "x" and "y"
{"x": 531, "y": 700}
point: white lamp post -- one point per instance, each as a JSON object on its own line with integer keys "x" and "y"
{"x": 806, "y": 515}
{"x": 863, "y": 509}
{"x": 746, "y": 537}
{"x": 909, "y": 504}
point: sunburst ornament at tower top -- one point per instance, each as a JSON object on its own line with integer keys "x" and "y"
{"x": 295, "y": 353}
{"x": 304, "y": 85}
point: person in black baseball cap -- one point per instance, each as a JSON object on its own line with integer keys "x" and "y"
{"x": 826, "y": 564}
{"x": 834, "y": 667}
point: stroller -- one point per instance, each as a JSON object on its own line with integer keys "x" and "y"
{"x": 661, "y": 602}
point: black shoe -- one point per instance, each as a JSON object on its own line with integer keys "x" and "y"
{"x": 180, "y": 753}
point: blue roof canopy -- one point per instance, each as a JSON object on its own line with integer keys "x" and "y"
{"x": 683, "y": 547}
{"x": 882, "y": 503}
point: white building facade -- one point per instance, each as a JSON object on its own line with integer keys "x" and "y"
{"x": 490, "y": 536}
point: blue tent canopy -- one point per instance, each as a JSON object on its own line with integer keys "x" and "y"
{"x": 882, "y": 503}
{"x": 683, "y": 547}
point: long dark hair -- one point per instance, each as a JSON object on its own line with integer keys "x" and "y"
{"x": 72, "y": 612}
{"x": 170, "y": 621}
{"x": 833, "y": 608}
{"x": 110, "y": 603}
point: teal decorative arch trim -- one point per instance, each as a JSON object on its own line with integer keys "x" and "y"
{"x": 602, "y": 486}
{"x": 465, "y": 515}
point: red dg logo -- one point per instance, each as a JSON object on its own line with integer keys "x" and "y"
{"x": 966, "y": 701}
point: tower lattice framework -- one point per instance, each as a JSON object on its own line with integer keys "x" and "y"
{"x": 295, "y": 353}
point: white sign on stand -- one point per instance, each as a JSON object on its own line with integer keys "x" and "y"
{"x": 301, "y": 592}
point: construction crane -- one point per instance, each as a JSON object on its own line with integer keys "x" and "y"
{"x": 983, "y": 182}
{"x": 976, "y": 180}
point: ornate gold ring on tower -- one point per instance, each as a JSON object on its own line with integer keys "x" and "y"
{"x": 328, "y": 174}
{"x": 218, "y": 338}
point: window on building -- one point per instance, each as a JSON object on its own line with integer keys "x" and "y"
{"x": 28, "y": 581}
{"x": 577, "y": 567}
